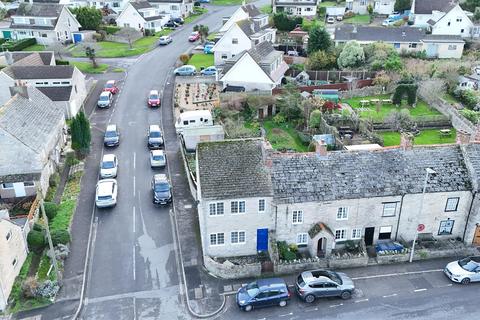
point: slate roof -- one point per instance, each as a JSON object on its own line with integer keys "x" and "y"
{"x": 153, "y": 18}
{"x": 442, "y": 38}
{"x": 57, "y": 93}
{"x": 427, "y": 6}
{"x": 233, "y": 169}
{"x": 364, "y": 33}
{"x": 26, "y": 126}
{"x": 39, "y": 10}
{"x": 352, "y": 175}
{"x": 294, "y": 3}
{"x": 39, "y": 72}
{"x": 138, "y": 5}
{"x": 166, "y": 1}
{"x": 472, "y": 156}
{"x": 31, "y": 58}
{"x": 251, "y": 9}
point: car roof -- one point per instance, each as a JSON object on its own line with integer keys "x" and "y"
{"x": 108, "y": 157}
{"x": 154, "y": 127}
{"x": 153, "y": 91}
{"x": 112, "y": 127}
{"x": 270, "y": 283}
{"x": 157, "y": 152}
{"x": 104, "y": 187}
{"x": 111, "y": 81}
{"x": 160, "y": 177}
{"x": 105, "y": 93}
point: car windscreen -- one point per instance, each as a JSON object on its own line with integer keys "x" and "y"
{"x": 103, "y": 98}
{"x": 162, "y": 187}
{"x": 468, "y": 264}
{"x": 252, "y": 289}
{"x": 158, "y": 157}
{"x": 153, "y": 97}
{"x": 105, "y": 197}
{"x": 155, "y": 134}
{"x": 108, "y": 164}
{"x": 109, "y": 85}
{"x": 110, "y": 134}
{"x": 335, "y": 277}
{"x": 300, "y": 281}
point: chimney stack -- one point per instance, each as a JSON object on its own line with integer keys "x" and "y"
{"x": 321, "y": 148}
{"x": 19, "y": 88}
{"x": 8, "y": 57}
{"x": 406, "y": 141}
{"x": 463, "y": 137}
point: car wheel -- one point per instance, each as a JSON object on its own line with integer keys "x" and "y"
{"x": 282, "y": 303}
{"x": 465, "y": 281}
{"x": 346, "y": 295}
{"x": 310, "y": 298}
{"x": 248, "y": 308}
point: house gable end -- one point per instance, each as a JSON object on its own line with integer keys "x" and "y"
{"x": 248, "y": 69}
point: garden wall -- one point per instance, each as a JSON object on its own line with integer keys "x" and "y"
{"x": 228, "y": 270}
{"x": 424, "y": 254}
{"x": 294, "y": 267}
{"x": 333, "y": 75}
{"x": 344, "y": 86}
{"x": 362, "y": 91}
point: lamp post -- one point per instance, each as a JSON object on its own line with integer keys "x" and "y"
{"x": 428, "y": 172}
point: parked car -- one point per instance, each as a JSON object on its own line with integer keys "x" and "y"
{"x": 161, "y": 189}
{"x": 106, "y": 193}
{"x": 153, "y": 99}
{"x": 464, "y": 271}
{"x": 330, "y": 20}
{"x": 164, "y": 40}
{"x": 204, "y": 1}
{"x": 210, "y": 71}
{"x": 170, "y": 25}
{"x": 339, "y": 18}
{"x": 178, "y": 21}
{"x": 111, "y": 86}
{"x": 207, "y": 49}
{"x": 157, "y": 159}
{"x": 263, "y": 293}
{"x": 292, "y": 53}
{"x": 154, "y": 137}
{"x": 315, "y": 284}
{"x": 105, "y": 100}
{"x": 109, "y": 166}
{"x": 388, "y": 22}
{"x": 194, "y": 36}
{"x": 186, "y": 70}
{"x": 112, "y": 136}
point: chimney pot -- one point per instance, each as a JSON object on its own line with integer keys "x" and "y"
{"x": 321, "y": 148}
{"x": 406, "y": 141}
{"x": 20, "y": 89}
{"x": 463, "y": 137}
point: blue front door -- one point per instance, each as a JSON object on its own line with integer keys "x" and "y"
{"x": 262, "y": 239}
{"x": 77, "y": 37}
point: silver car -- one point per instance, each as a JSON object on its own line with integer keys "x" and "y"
{"x": 105, "y": 99}
{"x": 157, "y": 159}
{"x": 311, "y": 285}
{"x": 464, "y": 271}
{"x": 164, "y": 40}
{"x": 109, "y": 166}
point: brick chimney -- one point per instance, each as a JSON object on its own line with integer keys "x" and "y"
{"x": 321, "y": 148}
{"x": 266, "y": 153}
{"x": 463, "y": 137}
{"x": 8, "y": 58}
{"x": 476, "y": 136}
{"x": 406, "y": 141}
{"x": 19, "y": 88}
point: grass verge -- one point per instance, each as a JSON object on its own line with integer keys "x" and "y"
{"x": 86, "y": 67}
{"x": 201, "y": 60}
{"x": 358, "y": 19}
{"x": 35, "y": 47}
{"x": 426, "y": 137}
{"x": 197, "y": 12}
{"x": 67, "y": 206}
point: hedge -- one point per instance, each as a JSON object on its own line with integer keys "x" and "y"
{"x": 60, "y": 237}
{"x": 62, "y": 62}
{"x": 19, "y": 45}
{"x": 36, "y": 241}
{"x": 51, "y": 209}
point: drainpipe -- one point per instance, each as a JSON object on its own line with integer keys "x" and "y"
{"x": 399, "y": 214}
{"x": 469, "y": 213}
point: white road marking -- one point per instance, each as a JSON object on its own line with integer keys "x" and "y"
{"x": 134, "y": 309}
{"x": 336, "y": 305}
{"x": 134, "y": 158}
{"x": 311, "y": 310}
{"x": 363, "y": 300}
{"x": 444, "y": 286}
{"x": 134, "y": 186}
{"x": 134, "y": 276}
{"x": 420, "y": 290}
{"x": 397, "y": 274}
{"x": 285, "y": 315}
{"x": 390, "y": 295}
{"x": 133, "y": 219}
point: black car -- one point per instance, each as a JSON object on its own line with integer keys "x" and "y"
{"x": 170, "y": 24}
{"x": 263, "y": 293}
{"x": 161, "y": 189}
{"x": 178, "y": 21}
{"x": 112, "y": 136}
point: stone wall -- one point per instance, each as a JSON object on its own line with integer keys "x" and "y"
{"x": 354, "y": 262}
{"x": 296, "y": 267}
{"x": 423, "y": 254}
{"x": 228, "y": 270}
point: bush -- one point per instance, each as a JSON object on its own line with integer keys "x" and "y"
{"x": 467, "y": 98}
{"x": 110, "y": 29}
{"x": 149, "y": 32}
{"x": 279, "y": 118}
{"x": 305, "y": 138}
{"x": 62, "y": 62}
{"x": 51, "y": 209}
{"x": 348, "y": 14}
{"x": 38, "y": 227}
{"x": 54, "y": 180}
{"x": 47, "y": 289}
{"x": 36, "y": 241}
{"x": 284, "y": 22}
{"x": 472, "y": 116}
{"x": 196, "y": 4}
{"x": 29, "y": 287}
{"x": 60, "y": 237}
{"x": 284, "y": 251}
{"x": 184, "y": 58}
{"x": 19, "y": 45}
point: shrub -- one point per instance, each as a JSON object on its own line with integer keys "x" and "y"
{"x": 18, "y": 45}
{"x": 60, "y": 237}
{"x": 305, "y": 138}
{"x": 284, "y": 22}
{"x": 62, "y": 62}
{"x": 472, "y": 116}
{"x": 54, "y": 180}
{"x": 349, "y": 14}
{"x": 284, "y": 251}
{"x": 149, "y": 32}
{"x": 38, "y": 227}
{"x": 111, "y": 29}
{"x": 47, "y": 289}
{"x": 467, "y": 98}
{"x": 184, "y": 58}
{"x": 29, "y": 287}
{"x": 279, "y": 118}
{"x": 51, "y": 209}
{"x": 36, "y": 241}
{"x": 196, "y": 4}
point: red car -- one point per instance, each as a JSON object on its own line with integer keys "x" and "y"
{"x": 111, "y": 87}
{"x": 154, "y": 99}
{"x": 194, "y": 36}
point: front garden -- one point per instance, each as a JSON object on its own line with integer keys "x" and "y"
{"x": 201, "y": 60}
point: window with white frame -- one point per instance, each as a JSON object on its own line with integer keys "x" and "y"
{"x": 357, "y": 233}
{"x": 452, "y": 47}
{"x": 302, "y": 238}
{"x": 237, "y": 207}
{"x": 216, "y": 209}
{"x": 261, "y": 205}
{"x": 341, "y": 234}
{"x": 7, "y": 185}
{"x": 342, "y": 213}
{"x": 446, "y": 227}
{"x": 297, "y": 216}
{"x": 389, "y": 209}
{"x": 217, "y": 239}
{"x": 452, "y": 204}
{"x": 237, "y": 237}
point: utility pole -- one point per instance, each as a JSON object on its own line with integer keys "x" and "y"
{"x": 49, "y": 238}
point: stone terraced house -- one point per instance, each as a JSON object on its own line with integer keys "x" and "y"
{"x": 321, "y": 199}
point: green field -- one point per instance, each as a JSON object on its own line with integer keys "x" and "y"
{"x": 201, "y": 60}
{"x": 86, "y": 67}
{"x": 430, "y": 136}
{"x": 358, "y": 19}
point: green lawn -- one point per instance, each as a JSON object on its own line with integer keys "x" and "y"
{"x": 267, "y": 9}
{"x": 450, "y": 99}
{"x": 358, "y": 19}
{"x": 227, "y": 2}
{"x": 197, "y": 12}
{"x": 86, "y": 67}
{"x": 35, "y": 47}
{"x": 330, "y": 4}
{"x": 201, "y": 60}
{"x": 282, "y": 136}
{"x": 308, "y": 24}
{"x": 421, "y": 109}
{"x": 430, "y": 136}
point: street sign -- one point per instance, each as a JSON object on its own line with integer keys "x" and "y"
{"x": 420, "y": 227}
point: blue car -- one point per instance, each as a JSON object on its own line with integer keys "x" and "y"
{"x": 207, "y": 49}
{"x": 186, "y": 70}
{"x": 210, "y": 71}
{"x": 263, "y": 293}
{"x": 204, "y": 1}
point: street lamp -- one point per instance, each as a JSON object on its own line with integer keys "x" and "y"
{"x": 428, "y": 172}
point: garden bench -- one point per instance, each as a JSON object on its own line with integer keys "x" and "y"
{"x": 445, "y": 133}
{"x": 389, "y": 101}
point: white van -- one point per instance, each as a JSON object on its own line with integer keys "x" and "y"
{"x": 190, "y": 119}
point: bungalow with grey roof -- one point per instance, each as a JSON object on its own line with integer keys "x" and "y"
{"x": 174, "y": 8}
{"x": 304, "y": 8}
{"x": 140, "y": 15}
{"x": 403, "y": 39}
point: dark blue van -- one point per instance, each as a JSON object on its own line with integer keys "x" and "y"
{"x": 263, "y": 293}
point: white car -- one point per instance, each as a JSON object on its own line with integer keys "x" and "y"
{"x": 330, "y": 20}
{"x": 388, "y": 22}
{"x": 292, "y": 53}
{"x": 464, "y": 271}
{"x": 109, "y": 166}
{"x": 106, "y": 193}
{"x": 157, "y": 159}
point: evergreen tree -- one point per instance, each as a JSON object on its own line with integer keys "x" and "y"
{"x": 81, "y": 135}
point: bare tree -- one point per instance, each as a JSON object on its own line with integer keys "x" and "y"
{"x": 58, "y": 49}
{"x": 91, "y": 49}
{"x": 129, "y": 34}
